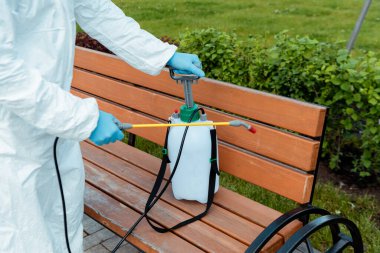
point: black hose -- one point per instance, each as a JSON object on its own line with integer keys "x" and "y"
{"x": 62, "y": 195}
{"x": 163, "y": 189}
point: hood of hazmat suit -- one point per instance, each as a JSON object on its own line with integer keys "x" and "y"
{"x": 36, "y": 65}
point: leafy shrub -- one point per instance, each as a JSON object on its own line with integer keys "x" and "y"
{"x": 84, "y": 40}
{"x": 306, "y": 69}
{"x": 170, "y": 40}
{"x": 218, "y": 51}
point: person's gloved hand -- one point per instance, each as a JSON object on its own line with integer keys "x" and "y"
{"x": 106, "y": 131}
{"x": 186, "y": 64}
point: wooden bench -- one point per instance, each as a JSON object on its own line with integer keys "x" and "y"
{"x": 282, "y": 157}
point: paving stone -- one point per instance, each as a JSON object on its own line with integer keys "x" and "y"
{"x": 97, "y": 249}
{"x": 302, "y": 248}
{"x": 124, "y": 248}
{"x": 112, "y": 242}
{"x": 90, "y": 226}
{"x": 96, "y": 238}
{"x": 128, "y": 248}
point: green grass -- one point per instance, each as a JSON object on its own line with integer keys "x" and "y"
{"x": 360, "y": 209}
{"x": 325, "y": 20}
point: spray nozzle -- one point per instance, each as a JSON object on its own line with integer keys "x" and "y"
{"x": 238, "y": 123}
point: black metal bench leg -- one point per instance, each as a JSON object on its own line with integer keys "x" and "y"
{"x": 131, "y": 139}
{"x": 342, "y": 244}
{"x": 309, "y": 247}
{"x": 305, "y": 232}
{"x": 298, "y": 213}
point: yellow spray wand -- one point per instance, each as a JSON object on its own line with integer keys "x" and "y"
{"x": 235, "y": 123}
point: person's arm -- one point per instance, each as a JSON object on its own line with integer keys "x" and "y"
{"x": 25, "y": 93}
{"x": 104, "y": 21}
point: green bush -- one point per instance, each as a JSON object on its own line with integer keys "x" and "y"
{"x": 306, "y": 69}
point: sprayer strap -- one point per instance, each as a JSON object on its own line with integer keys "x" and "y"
{"x": 161, "y": 174}
{"x": 211, "y": 187}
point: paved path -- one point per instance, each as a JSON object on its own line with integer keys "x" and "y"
{"x": 98, "y": 239}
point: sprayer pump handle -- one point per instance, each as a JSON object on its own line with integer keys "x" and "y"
{"x": 182, "y": 77}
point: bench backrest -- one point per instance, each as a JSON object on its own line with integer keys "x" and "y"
{"x": 281, "y": 157}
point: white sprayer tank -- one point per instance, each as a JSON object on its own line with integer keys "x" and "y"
{"x": 191, "y": 178}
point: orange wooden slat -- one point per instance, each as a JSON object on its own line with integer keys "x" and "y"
{"x": 256, "y": 170}
{"x": 227, "y": 199}
{"x": 287, "y": 113}
{"x": 259, "y": 212}
{"x": 219, "y": 218}
{"x": 197, "y": 233}
{"x": 278, "y": 145}
{"x": 119, "y": 218}
{"x": 269, "y": 175}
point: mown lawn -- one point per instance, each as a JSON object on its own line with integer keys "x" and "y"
{"x": 325, "y": 20}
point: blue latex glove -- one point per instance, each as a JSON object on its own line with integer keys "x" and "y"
{"x": 106, "y": 131}
{"x": 186, "y": 64}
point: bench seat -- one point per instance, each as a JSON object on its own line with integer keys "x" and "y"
{"x": 119, "y": 178}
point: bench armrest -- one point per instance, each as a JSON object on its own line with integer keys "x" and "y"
{"x": 328, "y": 220}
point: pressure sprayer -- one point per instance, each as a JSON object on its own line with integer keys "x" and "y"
{"x": 193, "y": 160}
{"x": 191, "y": 150}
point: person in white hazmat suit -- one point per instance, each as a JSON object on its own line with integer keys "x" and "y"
{"x": 36, "y": 64}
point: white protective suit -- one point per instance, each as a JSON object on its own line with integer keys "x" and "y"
{"x": 36, "y": 64}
